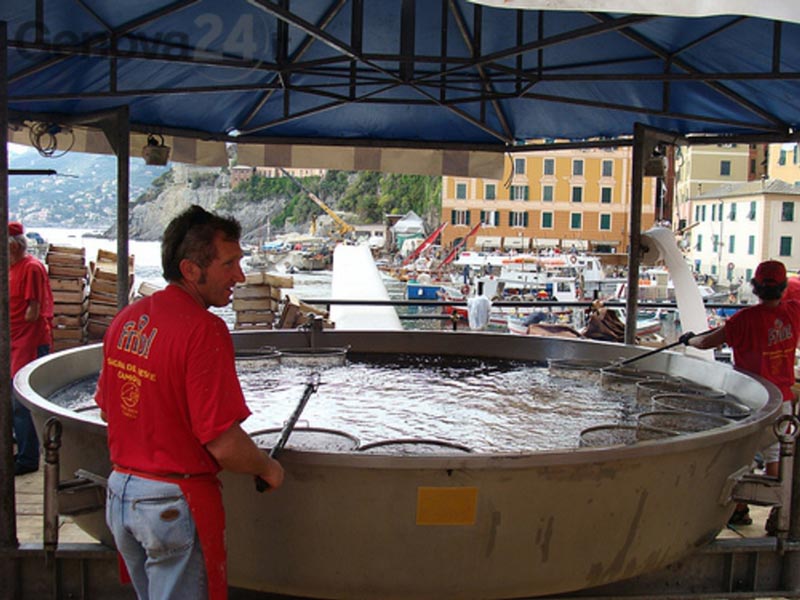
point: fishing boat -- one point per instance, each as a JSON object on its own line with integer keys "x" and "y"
{"x": 648, "y": 326}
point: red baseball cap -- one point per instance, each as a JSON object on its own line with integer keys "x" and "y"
{"x": 770, "y": 273}
{"x": 15, "y": 228}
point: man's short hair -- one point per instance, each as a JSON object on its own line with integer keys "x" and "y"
{"x": 768, "y": 292}
{"x": 191, "y": 235}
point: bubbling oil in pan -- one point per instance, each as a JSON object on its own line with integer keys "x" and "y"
{"x": 486, "y": 406}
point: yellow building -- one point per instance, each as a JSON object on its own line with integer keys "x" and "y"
{"x": 559, "y": 198}
{"x": 784, "y": 163}
{"x": 703, "y": 169}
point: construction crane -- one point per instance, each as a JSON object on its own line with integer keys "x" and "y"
{"x": 454, "y": 252}
{"x": 425, "y": 244}
{"x": 343, "y": 226}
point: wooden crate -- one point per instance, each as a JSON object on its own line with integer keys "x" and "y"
{"x": 65, "y": 260}
{"x": 67, "y": 285}
{"x": 257, "y": 291}
{"x": 77, "y": 321}
{"x": 59, "y": 249}
{"x": 103, "y": 286}
{"x": 59, "y": 345}
{"x": 69, "y": 333}
{"x": 68, "y": 297}
{"x": 252, "y": 326}
{"x": 96, "y": 328}
{"x": 255, "y": 317}
{"x": 70, "y": 309}
{"x": 147, "y": 288}
{"x": 277, "y": 281}
{"x": 100, "y": 308}
{"x": 67, "y": 272}
{"x": 255, "y": 304}
{"x": 297, "y": 313}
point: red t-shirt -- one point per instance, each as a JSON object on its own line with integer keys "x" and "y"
{"x": 764, "y": 339}
{"x": 792, "y": 289}
{"x": 28, "y": 280}
{"x": 168, "y": 384}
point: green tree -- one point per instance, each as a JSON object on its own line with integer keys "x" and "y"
{"x": 369, "y": 195}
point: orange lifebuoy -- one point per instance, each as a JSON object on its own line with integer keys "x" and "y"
{"x": 573, "y": 259}
{"x": 465, "y": 289}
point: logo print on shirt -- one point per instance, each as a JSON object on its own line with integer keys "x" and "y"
{"x": 133, "y": 338}
{"x": 779, "y": 332}
{"x": 129, "y": 396}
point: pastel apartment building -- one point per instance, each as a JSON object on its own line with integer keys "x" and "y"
{"x": 553, "y": 199}
{"x": 738, "y": 225}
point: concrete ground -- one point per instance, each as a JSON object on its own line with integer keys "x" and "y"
{"x": 30, "y": 513}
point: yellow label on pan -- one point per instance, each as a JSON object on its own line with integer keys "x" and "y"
{"x": 447, "y": 505}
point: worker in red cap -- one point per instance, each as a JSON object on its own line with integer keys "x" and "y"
{"x": 764, "y": 339}
{"x": 30, "y": 306}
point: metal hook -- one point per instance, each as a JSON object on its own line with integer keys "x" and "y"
{"x": 52, "y": 433}
{"x": 786, "y": 428}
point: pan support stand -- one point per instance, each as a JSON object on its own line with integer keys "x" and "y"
{"x": 779, "y": 492}
{"x": 83, "y": 494}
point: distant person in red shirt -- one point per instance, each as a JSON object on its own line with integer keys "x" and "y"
{"x": 169, "y": 392}
{"x": 30, "y": 305}
{"x": 764, "y": 339}
{"x": 792, "y": 288}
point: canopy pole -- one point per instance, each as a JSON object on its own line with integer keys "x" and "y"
{"x": 117, "y": 129}
{"x": 648, "y": 143}
{"x": 123, "y": 148}
{"x": 8, "y": 512}
{"x": 634, "y": 247}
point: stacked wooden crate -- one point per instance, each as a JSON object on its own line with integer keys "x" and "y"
{"x": 297, "y": 313}
{"x": 257, "y": 301}
{"x": 68, "y": 279}
{"x": 103, "y": 293}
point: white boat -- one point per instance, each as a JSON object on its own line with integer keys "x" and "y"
{"x": 656, "y": 285}
{"x": 647, "y": 325}
{"x": 527, "y": 280}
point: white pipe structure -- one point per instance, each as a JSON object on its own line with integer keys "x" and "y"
{"x": 355, "y": 277}
{"x": 662, "y": 247}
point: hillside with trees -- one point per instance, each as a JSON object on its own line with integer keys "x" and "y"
{"x": 361, "y": 197}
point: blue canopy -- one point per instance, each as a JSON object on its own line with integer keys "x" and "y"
{"x": 387, "y": 74}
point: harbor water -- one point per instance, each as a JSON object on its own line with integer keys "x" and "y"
{"x": 147, "y": 269}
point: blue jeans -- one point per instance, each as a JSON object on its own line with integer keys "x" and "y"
{"x": 155, "y": 534}
{"x": 24, "y": 431}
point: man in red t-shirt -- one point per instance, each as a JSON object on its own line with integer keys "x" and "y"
{"x": 792, "y": 288}
{"x": 764, "y": 339}
{"x": 30, "y": 306}
{"x": 169, "y": 392}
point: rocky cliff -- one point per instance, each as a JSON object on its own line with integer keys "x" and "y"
{"x": 187, "y": 185}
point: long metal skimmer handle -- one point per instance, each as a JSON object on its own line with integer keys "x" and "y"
{"x": 311, "y": 387}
